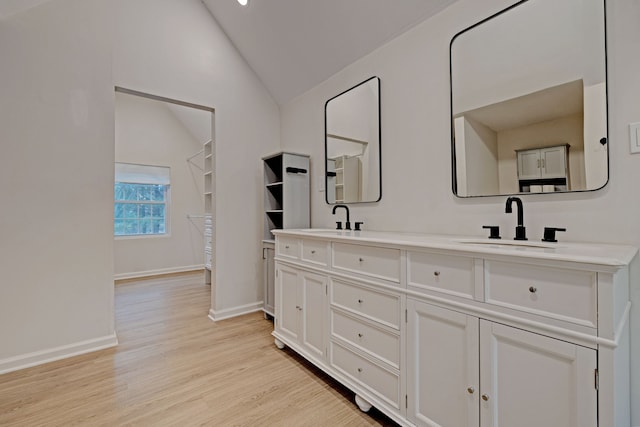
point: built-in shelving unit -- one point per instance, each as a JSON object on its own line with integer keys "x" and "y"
{"x": 286, "y": 193}
{"x": 286, "y": 205}
{"x": 348, "y": 186}
{"x": 209, "y": 184}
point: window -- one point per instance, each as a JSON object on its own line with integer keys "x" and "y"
{"x": 141, "y": 200}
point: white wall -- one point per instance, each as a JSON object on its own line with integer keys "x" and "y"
{"x": 416, "y": 148}
{"x": 60, "y": 63}
{"x": 481, "y": 152}
{"x": 56, "y": 182}
{"x": 148, "y": 133}
{"x": 175, "y": 49}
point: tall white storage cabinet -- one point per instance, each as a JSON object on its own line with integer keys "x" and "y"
{"x": 286, "y": 205}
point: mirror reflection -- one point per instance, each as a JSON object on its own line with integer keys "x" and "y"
{"x": 529, "y": 100}
{"x": 352, "y": 145}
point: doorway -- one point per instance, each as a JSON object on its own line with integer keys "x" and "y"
{"x": 165, "y": 176}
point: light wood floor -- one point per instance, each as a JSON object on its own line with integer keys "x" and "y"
{"x": 174, "y": 366}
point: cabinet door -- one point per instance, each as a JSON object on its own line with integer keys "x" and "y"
{"x": 287, "y": 306}
{"x": 529, "y": 164}
{"x": 313, "y": 289}
{"x": 553, "y": 162}
{"x": 532, "y": 380}
{"x": 269, "y": 279}
{"x": 442, "y": 366}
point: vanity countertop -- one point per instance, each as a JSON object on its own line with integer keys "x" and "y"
{"x": 605, "y": 254}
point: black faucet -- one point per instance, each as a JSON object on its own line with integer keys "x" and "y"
{"x": 521, "y": 233}
{"x": 347, "y": 225}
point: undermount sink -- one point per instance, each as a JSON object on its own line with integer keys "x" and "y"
{"x": 328, "y": 231}
{"x": 508, "y": 243}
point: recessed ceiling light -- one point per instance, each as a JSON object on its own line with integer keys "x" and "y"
{"x": 243, "y": 2}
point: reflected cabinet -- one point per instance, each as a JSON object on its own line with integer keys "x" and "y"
{"x": 543, "y": 169}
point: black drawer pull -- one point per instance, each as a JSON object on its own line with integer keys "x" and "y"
{"x": 291, "y": 169}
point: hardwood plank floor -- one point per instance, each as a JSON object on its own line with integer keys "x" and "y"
{"x": 174, "y": 366}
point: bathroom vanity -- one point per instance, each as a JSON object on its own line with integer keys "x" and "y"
{"x": 442, "y": 330}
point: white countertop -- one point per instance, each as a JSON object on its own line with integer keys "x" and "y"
{"x": 592, "y": 253}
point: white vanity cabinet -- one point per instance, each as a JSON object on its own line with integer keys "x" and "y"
{"x": 532, "y": 380}
{"x": 300, "y": 310}
{"x": 365, "y": 337}
{"x": 465, "y": 371}
{"x": 442, "y": 366}
{"x": 436, "y": 332}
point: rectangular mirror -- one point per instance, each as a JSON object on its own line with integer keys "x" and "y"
{"x": 529, "y": 100}
{"x": 352, "y": 145}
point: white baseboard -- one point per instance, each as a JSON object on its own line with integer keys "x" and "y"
{"x": 50, "y": 355}
{"x": 228, "y": 313}
{"x": 157, "y": 272}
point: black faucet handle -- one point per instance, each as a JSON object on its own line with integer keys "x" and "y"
{"x": 358, "y": 224}
{"x": 338, "y": 225}
{"x": 494, "y": 231}
{"x": 550, "y": 234}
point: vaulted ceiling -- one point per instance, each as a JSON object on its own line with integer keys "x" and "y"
{"x": 293, "y": 45}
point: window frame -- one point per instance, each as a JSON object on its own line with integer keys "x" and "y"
{"x": 166, "y": 202}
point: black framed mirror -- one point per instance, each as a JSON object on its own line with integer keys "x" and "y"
{"x": 353, "y": 145}
{"x": 529, "y": 100}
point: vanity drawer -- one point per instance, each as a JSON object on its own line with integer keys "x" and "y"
{"x": 375, "y": 305}
{"x": 376, "y": 341}
{"x": 382, "y": 263}
{"x": 379, "y": 380}
{"x": 454, "y": 275}
{"x": 553, "y": 292}
{"x": 288, "y": 247}
{"x": 315, "y": 252}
